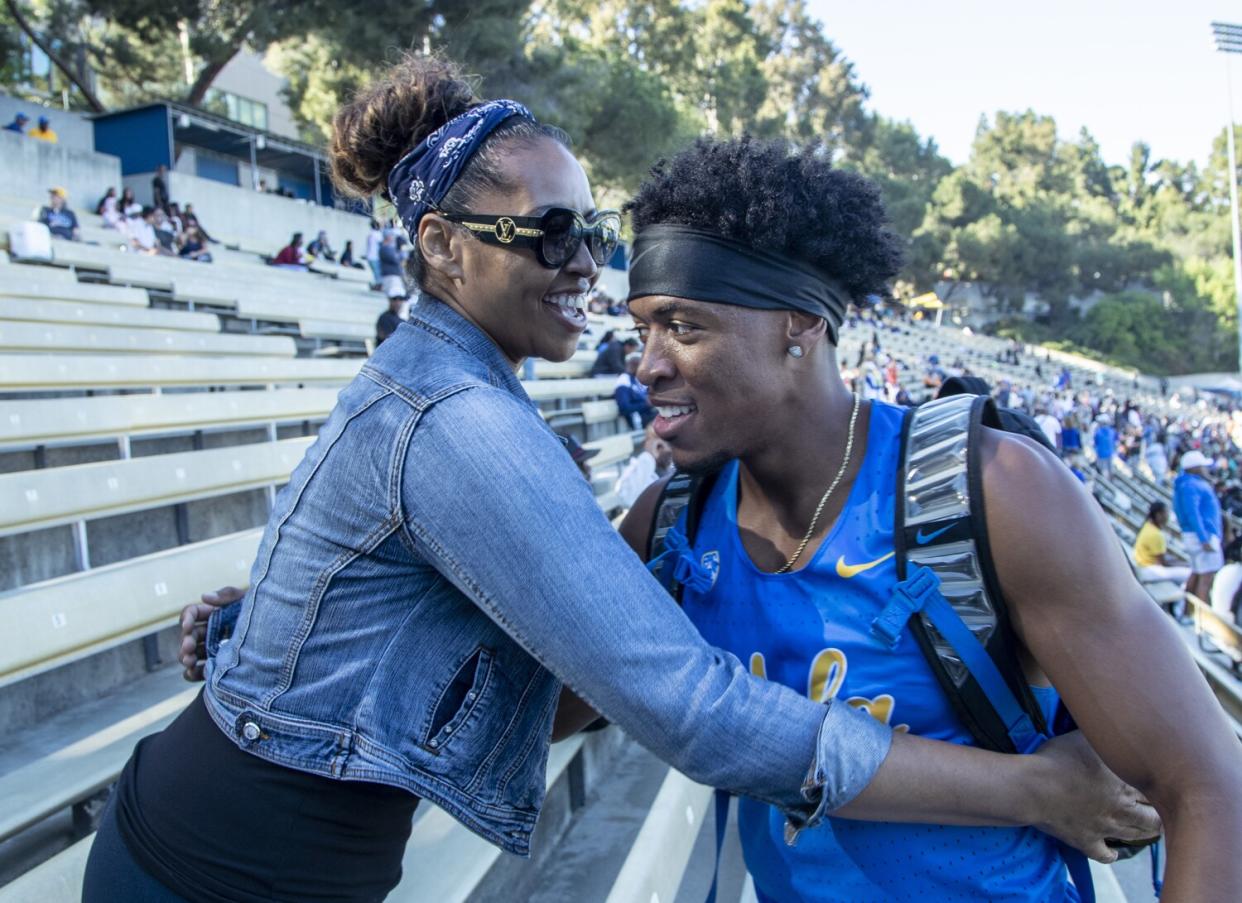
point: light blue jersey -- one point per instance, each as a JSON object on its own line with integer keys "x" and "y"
{"x": 810, "y": 630}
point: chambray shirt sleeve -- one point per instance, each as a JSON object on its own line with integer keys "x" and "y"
{"x": 494, "y": 502}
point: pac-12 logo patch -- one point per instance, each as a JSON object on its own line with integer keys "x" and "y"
{"x": 711, "y": 563}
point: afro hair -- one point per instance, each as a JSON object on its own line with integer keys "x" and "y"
{"x": 770, "y": 196}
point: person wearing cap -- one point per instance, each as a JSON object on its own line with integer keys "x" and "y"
{"x": 1198, "y": 514}
{"x": 43, "y": 131}
{"x": 59, "y": 219}
{"x": 18, "y": 124}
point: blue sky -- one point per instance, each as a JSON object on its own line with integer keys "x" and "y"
{"x": 1144, "y": 69}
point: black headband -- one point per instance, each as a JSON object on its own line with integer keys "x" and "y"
{"x": 683, "y": 262}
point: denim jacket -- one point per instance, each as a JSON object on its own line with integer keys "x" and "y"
{"x": 433, "y": 571}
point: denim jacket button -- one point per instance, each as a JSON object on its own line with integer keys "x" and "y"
{"x": 433, "y": 743}
{"x": 449, "y": 729}
{"x": 251, "y": 731}
{"x": 470, "y": 696}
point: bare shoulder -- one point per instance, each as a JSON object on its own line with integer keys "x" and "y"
{"x": 635, "y": 528}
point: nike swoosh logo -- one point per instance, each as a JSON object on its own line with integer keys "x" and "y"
{"x": 853, "y": 570}
{"x": 923, "y": 539}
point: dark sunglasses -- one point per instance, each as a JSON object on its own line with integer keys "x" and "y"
{"x": 556, "y": 236}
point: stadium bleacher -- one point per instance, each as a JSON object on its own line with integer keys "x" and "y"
{"x": 218, "y": 373}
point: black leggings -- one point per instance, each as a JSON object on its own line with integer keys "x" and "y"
{"x": 112, "y": 874}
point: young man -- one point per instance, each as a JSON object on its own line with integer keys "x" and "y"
{"x": 745, "y": 260}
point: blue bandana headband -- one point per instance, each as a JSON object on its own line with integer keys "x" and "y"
{"x": 419, "y": 182}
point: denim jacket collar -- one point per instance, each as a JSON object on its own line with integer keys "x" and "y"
{"x": 438, "y": 318}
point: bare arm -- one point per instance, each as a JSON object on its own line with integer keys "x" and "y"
{"x": 1117, "y": 661}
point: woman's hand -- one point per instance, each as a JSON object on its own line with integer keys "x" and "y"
{"x": 1084, "y": 804}
{"x": 193, "y": 652}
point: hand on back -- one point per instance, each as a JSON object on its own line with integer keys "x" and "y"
{"x": 193, "y": 652}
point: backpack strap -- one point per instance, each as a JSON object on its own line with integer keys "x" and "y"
{"x": 668, "y": 548}
{"x": 940, "y": 525}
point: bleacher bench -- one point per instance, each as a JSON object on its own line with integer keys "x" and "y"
{"x": 43, "y": 310}
{"x": 48, "y": 624}
{"x": 35, "y": 372}
{"x": 26, "y": 423}
{"x": 49, "y": 497}
{"x": 1216, "y": 633}
{"x": 71, "y": 338}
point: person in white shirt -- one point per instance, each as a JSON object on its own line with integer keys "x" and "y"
{"x": 1051, "y": 427}
{"x": 140, "y": 228}
{"x": 653, "y": 463}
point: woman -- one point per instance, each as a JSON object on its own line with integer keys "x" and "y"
{"x": 393, "y": 647}
{"x": 347, "y": 256}
{"x": 107, "y": 208}
{"x": 1151, "y": 549}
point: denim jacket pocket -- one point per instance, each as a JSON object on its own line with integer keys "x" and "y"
{"x": 459, "y": 699}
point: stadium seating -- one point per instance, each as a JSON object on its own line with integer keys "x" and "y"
{"x": 44, "y": 310}
{"x": 72, "y": 338}
{"x": 37, "y": 499}
{"x": 33, "y": 372}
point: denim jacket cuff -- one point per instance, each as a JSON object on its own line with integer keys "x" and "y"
{"x": 220, "y": 626}
{"x": 852, "y": 746}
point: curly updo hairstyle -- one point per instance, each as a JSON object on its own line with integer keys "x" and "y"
{"x": 388, "y": 119}
{"x": 770, "y": 196}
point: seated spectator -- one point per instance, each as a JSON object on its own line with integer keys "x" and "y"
{"x": 107, "y": 209}
{"x": 607, "y": 337}
{"x": 290, "y": 256}
{"x": 140, "y": 227}
{"x": 1227, "y": 587}
{"x": 164, "y": 232}
{"x": 653, "y": 463}
{"x": 347, "y": 256}
{"x": 18, "y": 124}
{"x": 193, "y": 247}
{"x": 128, "y": 202}
{"x": 174, "y": 217}
{"x": 392, "y": 279}
{"x": 611, "y": 358}
{"x": 390, "y": 319}
{"x": 320, "y": 249}
{"x": 631, "y": 395}
{"x": 43, "y": 131}
{"x": 59, "y": 219}
{"x": 188, "y": 218}
{"x": 1151, "y": 549}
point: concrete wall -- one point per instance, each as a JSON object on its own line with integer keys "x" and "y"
{"x": 72, "y": 129}
{"x": 29, "y": 167}
{"x": 248, "y": 76}
{"x": 263, "y": 220}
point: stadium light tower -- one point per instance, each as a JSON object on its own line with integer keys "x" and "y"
{"x": 1229, "y": 40}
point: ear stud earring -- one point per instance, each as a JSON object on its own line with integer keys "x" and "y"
{"x": 795, "y": 351}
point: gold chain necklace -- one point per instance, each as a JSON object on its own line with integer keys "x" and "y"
{"x": 819, "y": 509}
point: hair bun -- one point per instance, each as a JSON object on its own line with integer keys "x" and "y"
{"x": 385, "y": 121}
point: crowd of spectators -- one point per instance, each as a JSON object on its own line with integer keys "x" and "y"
{"x": 1186, "y": 443}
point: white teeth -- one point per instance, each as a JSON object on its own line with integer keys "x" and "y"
{"x": 674, "y": 410}
{"x": 568, "y": 302}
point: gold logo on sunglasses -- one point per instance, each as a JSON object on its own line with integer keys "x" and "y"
{"x": 506, "y": 229}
